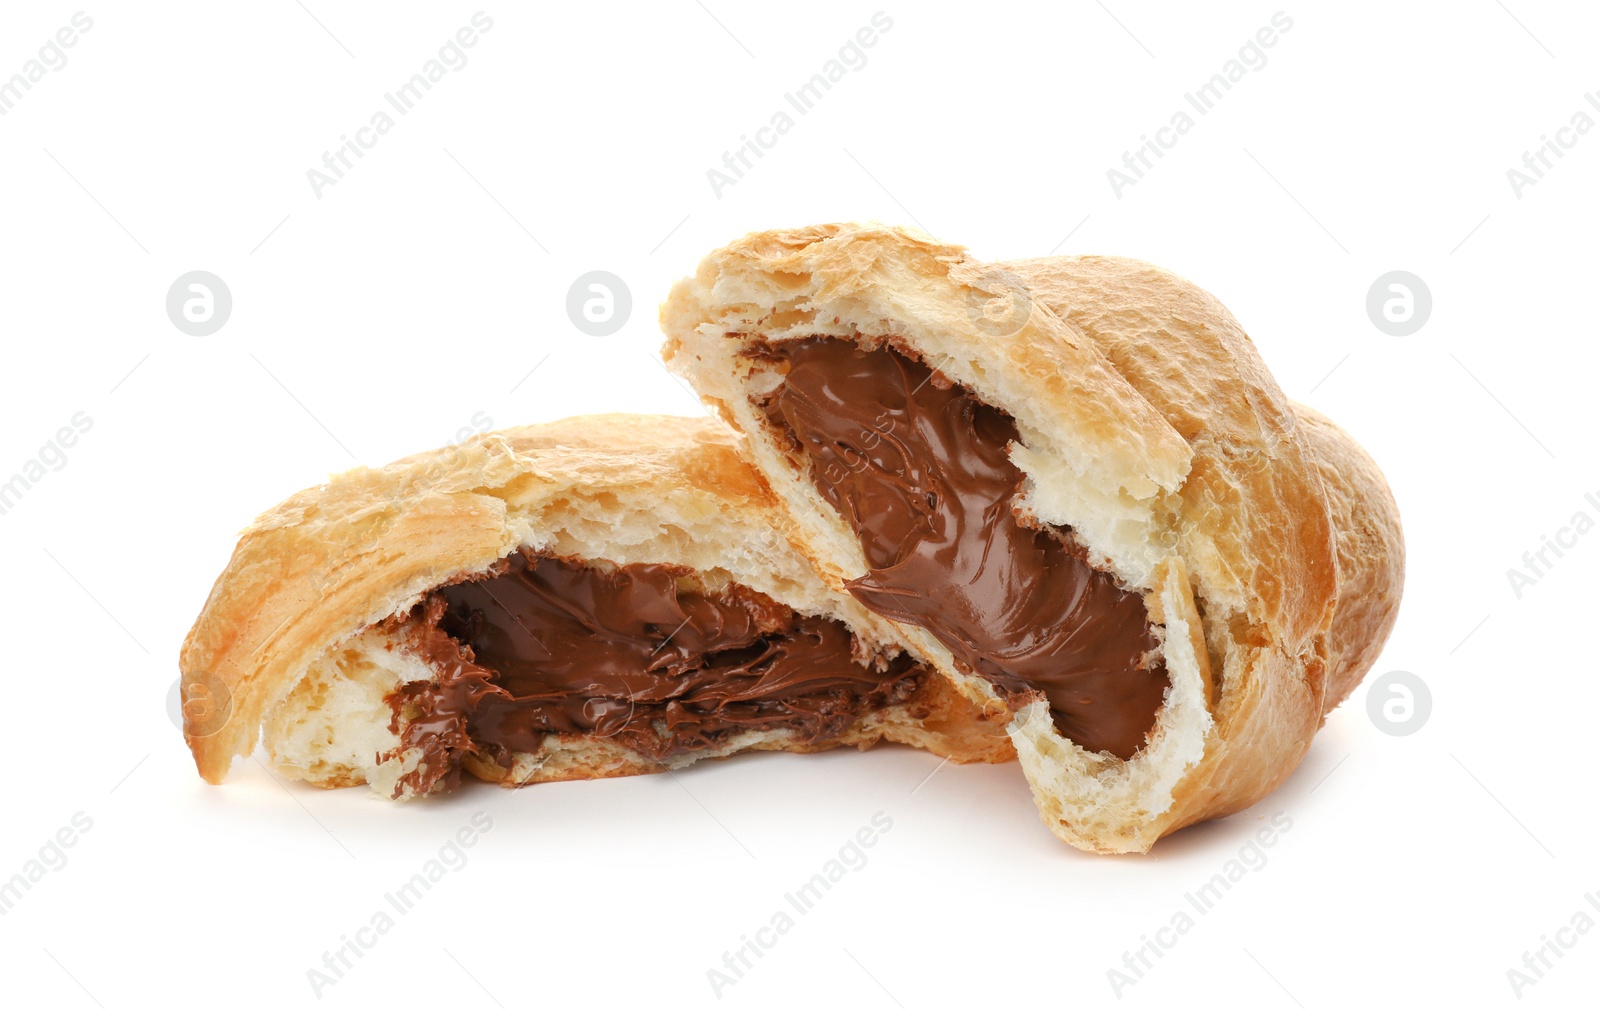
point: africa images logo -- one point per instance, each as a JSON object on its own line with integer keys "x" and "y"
{"x": 1538, "y": 562}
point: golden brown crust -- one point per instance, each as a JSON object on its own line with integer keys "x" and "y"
{"x": 1239, "y": 505}
{"x": 1372, "y": 553}
{"x": 336, "y": 559}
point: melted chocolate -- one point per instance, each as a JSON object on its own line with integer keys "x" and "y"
{"x": 632, "y": 654}
{"x": 919, "y": 468}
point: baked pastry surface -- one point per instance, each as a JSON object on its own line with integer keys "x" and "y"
{"x": 1150, "y": 438}
{"x": 311, "y": 629}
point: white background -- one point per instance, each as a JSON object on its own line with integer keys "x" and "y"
{"x": 380, "y": 318}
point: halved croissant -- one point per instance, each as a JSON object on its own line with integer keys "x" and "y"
{"x": 1147, "y": 444}
{"x": 396, "y": 626}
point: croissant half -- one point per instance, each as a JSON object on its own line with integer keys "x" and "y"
{"x": 599, "y": 596}
{"x": 1078, "y": 491}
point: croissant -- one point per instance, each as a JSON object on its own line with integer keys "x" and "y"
{"x": 595, "y": 597}
{"x": 1075, "y": 488}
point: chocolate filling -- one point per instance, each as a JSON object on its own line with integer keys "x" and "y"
{"x": 634, "y": 654}
{"x": 918, "y": 466}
